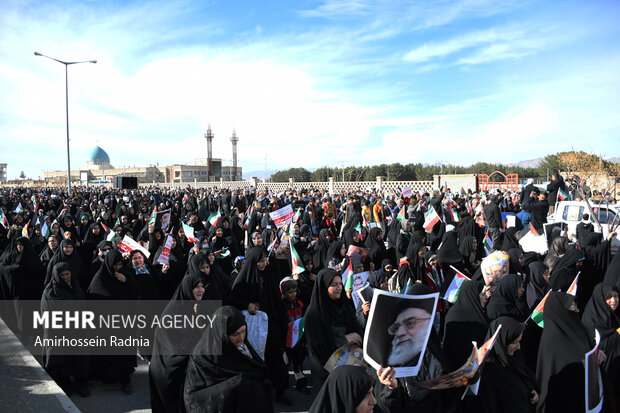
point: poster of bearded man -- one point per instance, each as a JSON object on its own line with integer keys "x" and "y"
{"x": 397, "y": 331}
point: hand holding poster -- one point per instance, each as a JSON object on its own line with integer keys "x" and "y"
{"x": 282, "y": 216}
{"x": 162, "y": 219}
{"x": 362, "y": 252}
{"x": 164, "y": 257}
{"x": 397, "y": 331}
{"x": 129, "y": 245}
{"x": 358, "y": 282}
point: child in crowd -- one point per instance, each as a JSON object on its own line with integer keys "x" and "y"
{"x": 294, "y": 310}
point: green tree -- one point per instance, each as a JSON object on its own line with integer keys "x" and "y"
{"x": 299, "y": 174}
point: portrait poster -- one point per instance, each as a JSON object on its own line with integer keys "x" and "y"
{"x": 398, "y": 329}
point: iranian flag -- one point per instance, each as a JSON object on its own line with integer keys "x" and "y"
{"x": 358, "y": 228}
{"x": 572, "y": 290}
{"x": 25, "y": 230}
{"x": 562, "y": 195}
{"x": 294, "y": 333}
{"x": 214, "y": 217}
{"x": 296, "y": 264}
{"x": 455, "y": 215}
{"x": 366, "y": 225}
{"x": 35, "y": 204}
{"x": 19, "y": 209}
{"x": 189, "y": 233}
{"x": 452, "y": 293}
{"x": 3, "y": 220}
{"x": 271, "y": 246}
{"x": 431, "y": 219}
{"x": 537, "y": 314}
{"x": 488, "y": 244}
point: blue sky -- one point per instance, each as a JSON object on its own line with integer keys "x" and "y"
{"x": 309, "y": 83}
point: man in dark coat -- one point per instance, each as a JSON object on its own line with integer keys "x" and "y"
{"x": 557, "y": 182}
{"x": 494, "y": 220}
{"x": 525, "y": 195}
{"x": 539, "y": 208}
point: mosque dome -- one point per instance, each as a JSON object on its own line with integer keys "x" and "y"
{"x": 99, "y": 156}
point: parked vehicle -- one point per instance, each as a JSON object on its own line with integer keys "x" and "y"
{"x": 607, "y": 215}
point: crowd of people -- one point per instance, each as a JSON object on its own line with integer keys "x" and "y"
{"x": 60, "y": 246}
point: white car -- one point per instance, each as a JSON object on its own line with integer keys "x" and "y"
{"x": 571, "y": 213}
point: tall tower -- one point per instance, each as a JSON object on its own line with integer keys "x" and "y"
{"x": 234, "y": 139}
{"x": 209, "y": 138}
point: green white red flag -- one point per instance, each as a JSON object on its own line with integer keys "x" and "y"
{"x": 562, "y": 195}
{"x": 3, "y": 220}
{"x": 25, "y": 230}
{"x": 296, "y": 264}
{"x": 189, "y": 233}
{"x": 431, "y": 219}
{"x": 214, "y": 217}
{"x": 294, "y": 333}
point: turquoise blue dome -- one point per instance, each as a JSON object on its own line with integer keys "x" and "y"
{"x": 99, "y": 155}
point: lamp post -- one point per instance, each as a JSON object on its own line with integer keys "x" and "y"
{"x": 67, "y": 109}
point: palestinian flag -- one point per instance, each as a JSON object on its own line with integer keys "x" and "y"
{"x": 185, "y": 197}
{"x": 488, "y": 244}
{"x": 452, "y": 293}
{"x": 562, "y": 195}
{"x": 25, "y": 230}
{"x": 537, "y": 314}
{"x": 431, "y": 219}
{"x": 572, "y": 290}
{"x": 533, "y": 230}
{"x": 294, "y": 333}
{"x": 347, "y": 277}
{"x": 406, "y": 287}
{"x": 214, "y": 217}
{"x": 153, "y": 216}
{"x": 112, "y": 235}
{"x": 3, "y": 220}
{"x": 19, "y": 209}
{"x": 189, "y": 233}
{"x": 401, "y": 214}
{"x": 117, "y": 223}
{"x": 296, "y": 264}
{"x": 45, "y": 230}
{"x": 105, "y": 229}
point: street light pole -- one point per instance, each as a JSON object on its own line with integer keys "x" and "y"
{"x": 67, "y": 109}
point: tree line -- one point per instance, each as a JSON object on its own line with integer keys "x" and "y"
{"x": 419, "y": 172}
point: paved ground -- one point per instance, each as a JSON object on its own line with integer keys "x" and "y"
{"x": 26, "y": 387}
{"x": 107, "y": 398}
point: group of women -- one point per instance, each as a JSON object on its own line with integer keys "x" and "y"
{"x": 236, "y": 262}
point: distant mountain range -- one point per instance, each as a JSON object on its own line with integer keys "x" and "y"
{"x": 530, "y": 163}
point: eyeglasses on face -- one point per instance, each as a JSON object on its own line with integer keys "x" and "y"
{"x": 408, "y": 323}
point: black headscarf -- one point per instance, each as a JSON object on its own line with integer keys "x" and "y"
{"x": 596, "y": 251}
{"x": 538, "y": 286}
{"x": 58, "y": 289}
{"x": 510, "y": 239}
{"x": 506, "y": 383}
{"x": 598, "y": 315}
{"x": 215, "y": 283}
{"x": 220, "y": 377}
{"x": 612, "y": 275}
{"x": 333, "y": 253}
{"x": 562, "y": 349}
{"x": 254, "y": 286}
{"x": 343, "y": 391}
{"x": 505, "y": 300}
{"x": 323, "y": 313}
{"x": 320, "y": 250}
{"x": 558, "y": 248}
{"x": 47, "y": 253}
{"x": 466, "y": 248}
{"x": 377, "y": 247}
{"x": 106, "y": 286}
{"x": 448, "y": 252}
{"x": 565, "y": 270}
{"x": 466, "y": 321}
{"x": 513, "y": 259}
{"x": 74, "y": 260}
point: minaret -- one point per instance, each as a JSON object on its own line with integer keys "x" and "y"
{"x": 234, "y": 139}
{"x": 209, "y": 138}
